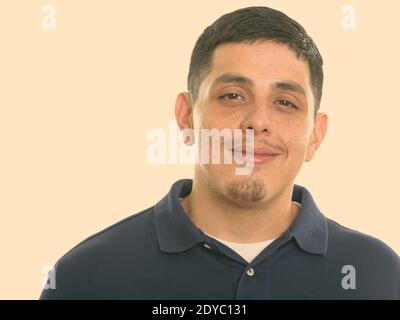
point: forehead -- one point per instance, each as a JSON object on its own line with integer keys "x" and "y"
{"x": 263, "y": 62}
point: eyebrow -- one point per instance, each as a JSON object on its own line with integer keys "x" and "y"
{"x": 281, "y": 85}
{"x": 230, "y": 77}
{"x": 289, "y": 86}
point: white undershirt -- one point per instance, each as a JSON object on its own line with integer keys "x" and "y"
{"x": 248, "y": 250}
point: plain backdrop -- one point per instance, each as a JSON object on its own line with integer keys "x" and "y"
{"x": 77, "y": 101}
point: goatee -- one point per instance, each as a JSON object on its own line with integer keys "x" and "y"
{"x": 247, "y": 190}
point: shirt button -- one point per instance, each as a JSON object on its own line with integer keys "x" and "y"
{"x": 207, "y": 246}
{"x": 250, "y": 272}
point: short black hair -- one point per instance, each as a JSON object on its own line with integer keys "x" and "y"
{"x": 250, "y": 25}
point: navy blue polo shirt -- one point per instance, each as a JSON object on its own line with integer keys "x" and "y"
{"x": 160, "y": 254}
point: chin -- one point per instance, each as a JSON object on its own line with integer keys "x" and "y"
{"x": 246, "y": 190}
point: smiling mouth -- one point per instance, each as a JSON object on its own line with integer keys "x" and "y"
{"x": 256, "y": 155}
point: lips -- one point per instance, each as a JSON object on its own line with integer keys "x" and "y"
{"x": 261, "y": 154}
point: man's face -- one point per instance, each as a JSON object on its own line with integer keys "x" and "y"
{"x": 261, "y": 86}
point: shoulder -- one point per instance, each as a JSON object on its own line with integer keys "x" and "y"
{"x": 108, "y": 254}
{"x": 376, "y": 264}
{"x": 128, "y": 232}
{"x": 352, "y": 241}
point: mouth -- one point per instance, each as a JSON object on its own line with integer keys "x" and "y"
{"x": 255, "y": 155}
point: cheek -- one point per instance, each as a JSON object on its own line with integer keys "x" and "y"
{"x": 214, "y": 117}
{"x": 296, "y": 142}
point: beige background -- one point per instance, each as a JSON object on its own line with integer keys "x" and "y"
{"x": 77, "y": 101}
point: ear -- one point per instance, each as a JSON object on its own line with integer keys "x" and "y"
{"x": 318, "y": 134}
{"x": 184, "y": 115}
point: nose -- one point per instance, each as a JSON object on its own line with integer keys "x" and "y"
{"x": 258, "y": 119}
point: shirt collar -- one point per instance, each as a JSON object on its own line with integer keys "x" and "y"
{"x": 177, "y": 233}
{"x": 310, "y": 227}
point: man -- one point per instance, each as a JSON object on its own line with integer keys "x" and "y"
{"x": 230, "y": 236}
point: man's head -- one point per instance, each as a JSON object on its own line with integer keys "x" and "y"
{"x": 256, "y": 68}
{"x": 250, "y": 25}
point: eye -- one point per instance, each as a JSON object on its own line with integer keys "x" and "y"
{"x": 286, "y": 103}
{"x": 231, "y": 96}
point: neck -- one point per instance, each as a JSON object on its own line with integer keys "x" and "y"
{"x": 229, "y": 221}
